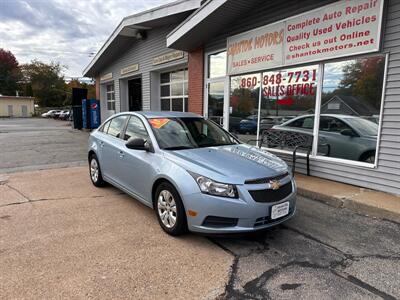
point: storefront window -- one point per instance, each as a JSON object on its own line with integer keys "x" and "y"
{"x": 216, "y": 101}
{"x": 110, "y": 96}
{"x": 174, "y": 90}
{"x": 350, "y": 107}
{"x": 243, "y": 107}
{"x": 288, "y": 102}
{"x": 215, "y": 86}
{"x": 217, "y": 65}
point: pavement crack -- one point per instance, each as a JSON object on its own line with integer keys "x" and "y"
{"x": 51, "y": 199}
{"x": 363, "y": 285}
{"x": 18, "y": 191}
{"x": 310, "y": 237}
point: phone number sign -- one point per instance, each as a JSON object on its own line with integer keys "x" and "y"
{"x": 344, "y": 28}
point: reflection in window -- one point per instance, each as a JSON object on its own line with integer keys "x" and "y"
{"x": 288, "y": 104}
{"x": 217, "y": 65}
{"x": 174, "y": 90}
{"x": 216, "y": 101}
{"x": 243, "y": 117}
{"x": 350, "y": 107}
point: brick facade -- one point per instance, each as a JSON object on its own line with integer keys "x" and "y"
{"x": 196, "y": 80}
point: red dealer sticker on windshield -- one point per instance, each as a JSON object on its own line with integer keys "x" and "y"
{"x": 158, "y": 123}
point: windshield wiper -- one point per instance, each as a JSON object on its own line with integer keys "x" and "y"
{"x": 178, "y": 148}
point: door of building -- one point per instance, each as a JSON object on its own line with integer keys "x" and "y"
{"x": 10, "y": 111}
{"x": 135, "y": 94}
{"x": 24, "y": 110}
{"x": 217, "y": 89}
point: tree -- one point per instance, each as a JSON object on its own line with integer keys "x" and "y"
{"x": 364, "y": 79}
{"x": 9, "y": 73}
{"x": 46, "y": 82}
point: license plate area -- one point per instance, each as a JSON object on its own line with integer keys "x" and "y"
{"x": 279, "y": 210}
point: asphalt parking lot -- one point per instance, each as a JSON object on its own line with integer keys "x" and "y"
{"x": 62, "y": 238}
{"x": 33, "y": 143}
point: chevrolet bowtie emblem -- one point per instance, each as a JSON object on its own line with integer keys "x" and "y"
{"x": 275, "y": 185}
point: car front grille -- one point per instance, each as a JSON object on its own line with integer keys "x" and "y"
{"x": 265, "y": 179}
{"x": 270, "y": 195}
{"x": 213, "y": 221}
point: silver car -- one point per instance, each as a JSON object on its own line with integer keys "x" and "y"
{"x": 194, "y": 174}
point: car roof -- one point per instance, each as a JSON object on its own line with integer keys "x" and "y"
{"x": 328, "y": 115}
{"x": 167, "y": 114}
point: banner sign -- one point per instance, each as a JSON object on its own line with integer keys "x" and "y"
{"x": 129, "y": 69}
{"x": 344, "y": 28}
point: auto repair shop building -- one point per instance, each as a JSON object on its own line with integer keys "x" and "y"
{"x": 326, "y": 68}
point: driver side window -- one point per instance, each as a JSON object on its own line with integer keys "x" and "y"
{"x": 135, "y": 129}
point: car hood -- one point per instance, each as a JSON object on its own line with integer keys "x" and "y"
{"x": 229, "y": 164}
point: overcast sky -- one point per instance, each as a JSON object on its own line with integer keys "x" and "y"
{"x": 67, "y": 31}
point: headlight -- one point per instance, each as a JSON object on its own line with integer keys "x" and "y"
{"x": 209, "y": 186}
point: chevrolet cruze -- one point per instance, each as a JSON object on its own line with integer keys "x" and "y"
{"x": 194, "y": 174}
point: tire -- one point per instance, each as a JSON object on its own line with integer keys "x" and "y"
{"x": 169, "y": 210}
{"x": 95, "y": 172}
{"x": 368, "y": 157}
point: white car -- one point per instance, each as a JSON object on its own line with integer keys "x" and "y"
{"x": 50, "y": 114}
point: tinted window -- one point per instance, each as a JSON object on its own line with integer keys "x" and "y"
{"x": 135, "y": 129}
{"x": 116, "y": 126}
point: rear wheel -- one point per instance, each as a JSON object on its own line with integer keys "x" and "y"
{"x": 95, "y": 172}
{"x": 169, "y": 210}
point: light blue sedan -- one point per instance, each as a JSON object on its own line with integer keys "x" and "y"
{"x": 194, "y": 174}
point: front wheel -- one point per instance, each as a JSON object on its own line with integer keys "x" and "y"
{"x": 368, "y": 157}
{"x": 169, "y": 210}
{"x": 95, "y": 172}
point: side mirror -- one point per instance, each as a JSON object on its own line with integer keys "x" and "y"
{"x": 139, "y": 144}
{"x": 348, "y": 132}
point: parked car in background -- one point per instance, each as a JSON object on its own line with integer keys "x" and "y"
{"x": 193, "y": 173}
{"x": 64, "y": 115}
{"x": 248, "y": 125}
{"x": 50, "y": 113}
{"x": 349, "y": 137}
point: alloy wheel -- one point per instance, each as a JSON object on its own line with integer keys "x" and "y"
{"x": 94, "y": 170}
{"x": 166, "y": 207}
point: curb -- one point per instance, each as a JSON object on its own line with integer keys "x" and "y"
{"x": 356, "y": 206}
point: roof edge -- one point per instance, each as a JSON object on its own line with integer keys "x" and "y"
{"x": 179, "y": 7}
{"x": 193, "y": 20}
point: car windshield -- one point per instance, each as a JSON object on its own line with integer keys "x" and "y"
{"x": 189, "y": 133}
{"x": 363, "y": 126}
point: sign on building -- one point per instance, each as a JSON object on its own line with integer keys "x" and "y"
{"x": 174, "y": 55}
{"x": 340, "y": 29}
{"x": 129, "y": 69}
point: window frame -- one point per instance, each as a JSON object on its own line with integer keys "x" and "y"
{"x": 111, "y": 93}
{"x": 183, "y": 96}
{"x": 225, "y": 80}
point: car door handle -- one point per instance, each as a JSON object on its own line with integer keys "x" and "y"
{"x": 101, "y": 144}
{"x": 121, "y": 154}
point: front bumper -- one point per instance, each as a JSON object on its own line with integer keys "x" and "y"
{"x": 250, "y": 215}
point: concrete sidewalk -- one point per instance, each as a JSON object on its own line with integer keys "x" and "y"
{"x": 340, "y": 195}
